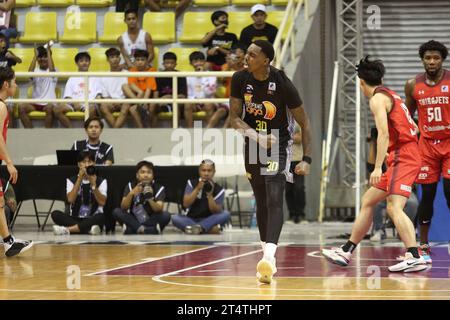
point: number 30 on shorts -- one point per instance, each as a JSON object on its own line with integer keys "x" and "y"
{"x": 272, "y": 166}
{"x": 261, "y": 125}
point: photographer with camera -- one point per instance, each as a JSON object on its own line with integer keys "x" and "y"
{"x": 142, "y": 204}
{"x": 86, "y": 195}
{"x": 218, "y": 41}
{"x": 203, "y": 200}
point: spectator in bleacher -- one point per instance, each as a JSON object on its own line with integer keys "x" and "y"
{"x": 260, "y": 29}
{"x": 103, "y": 152}
{"x": 112, "y": 89}
{"x": 7, "y": 57}
{"x": 134, "y": 39}
{"x": 140, "y": 87}
{"x": 164, "y": 86}
{"x": 7, "y": 20}
{"x": 142, "y": 204}
{"x": 199, "y": 88}
{"x": 235, "y": 62}
{"x": 10, "y": 200}
{"x": 203, "y": 200}
{"x": 43, "y": 87}
{"x": 86, "y": 195}
{"x": 155, "y": 5}
{"x": 123, "y": 5}
{"x": 218, "y": 41}
{"x": 75, "y": 90}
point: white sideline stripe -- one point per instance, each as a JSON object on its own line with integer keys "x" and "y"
{"x": 146, "y": 260}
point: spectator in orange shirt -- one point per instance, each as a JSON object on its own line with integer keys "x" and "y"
{"x": 140, "y": 87}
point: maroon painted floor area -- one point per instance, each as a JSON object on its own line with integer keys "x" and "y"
{"x": 292, "y": 261}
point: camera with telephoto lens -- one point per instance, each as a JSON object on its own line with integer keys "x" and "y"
{"x": 208, "y": 187}
{"x": 91, "y": 170}
{"x": 147, "y": 192}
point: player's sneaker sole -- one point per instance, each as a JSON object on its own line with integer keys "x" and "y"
{"x": 406, "y": 267}
{"x": 333, "y": 257}
{"x": 265, "y": 271}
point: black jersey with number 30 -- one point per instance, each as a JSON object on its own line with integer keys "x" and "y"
{"x": 266, "y": 103}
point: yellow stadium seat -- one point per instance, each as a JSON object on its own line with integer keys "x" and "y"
{"x": 75, "y": 115}
{"x": 195, "y": 26}
{"x": 164, "y": 4}
{"x": 113, "y": 27}
{"x": 275, "y": 18}
{"x": 249, "y": 2}
{"x": 238, "y": 21}
{"x": 211, "y": 3}
{"x": 94, "y": 3}
{"x": 39, "y": 115}
{"x": 26, "y": 54}
{"x": 55, "y": 3}
{"x": 80, "y": 28}
{"x": 279, "y": 2}
{"x": 39, "y": 27}
{"x": 25, "y": 3}
{"x": 156, "y": 58}
{"x": 98, "y": 59}
{"x": 64, "y": 59}
{"x": 160, "y": 25}
{"x": 183, "y": 63}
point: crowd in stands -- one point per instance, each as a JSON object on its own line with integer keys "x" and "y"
{"x": 135, "y": 52}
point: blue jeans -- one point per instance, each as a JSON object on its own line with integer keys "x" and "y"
{"x": 162, "y": 218}
{"x": 9, "y": 33}
{"x": 181, "y": 222}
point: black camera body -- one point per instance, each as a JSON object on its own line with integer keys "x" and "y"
{"x": 91, "y": 170}
{"x": 208, "y": 186}
{"x": 146, "y": 194}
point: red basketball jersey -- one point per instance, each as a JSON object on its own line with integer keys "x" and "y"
{"x": 400, "y": 124}
{"x": 6, "y": 122}
{"x": 433, "y": 105}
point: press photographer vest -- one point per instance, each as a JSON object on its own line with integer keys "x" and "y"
{"x": 85, "y": 195}
{"x": 157, "y": 189}
{"x": 200, "y": 208}
{"x": 100, "y": 152}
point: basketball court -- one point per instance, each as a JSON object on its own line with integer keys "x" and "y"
{"x": 214, "y": 267}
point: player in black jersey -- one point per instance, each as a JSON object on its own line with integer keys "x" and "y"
{"x": 263, "y": 106}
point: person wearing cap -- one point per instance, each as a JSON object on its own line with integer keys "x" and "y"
{"x": 264, "y": 106}
{"x": 260, "y": 29}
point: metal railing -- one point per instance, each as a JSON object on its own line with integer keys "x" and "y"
{"x": 292, "y": 11}
{"x": 175, "y": 101}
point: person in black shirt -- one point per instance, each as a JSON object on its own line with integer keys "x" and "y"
{"x": 164, "y": 86}
{"x": 203, "y": 199}
{"x": 7, "y": 58}
{"x": 103, "y": 152}
{"x": 86, "y": 195}
{"x": 142, "y": 204}
{"x": 263, "y": 106}
{"x": 218, "y": 41}
{"x": 260, "y": 29}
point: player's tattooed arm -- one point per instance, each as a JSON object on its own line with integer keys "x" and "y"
{"x": 410, "y": 101}
{"x": 236, "y": 121}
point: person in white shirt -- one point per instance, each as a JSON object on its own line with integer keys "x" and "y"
{"x": 112, "y": 89}
{"x": 133, "y": 39}
{"x": 199, "y": 88}
{"x": 75, "y": 90}
{"x": 43, "y": 88}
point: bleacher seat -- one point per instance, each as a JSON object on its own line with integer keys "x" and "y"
{"x": 25, "y": 3}
{"x": 238, "y": 21}
{"x": 98, "y": 59}
{"x": 85, "y": 32}
{"x": 113, "y": 26}
{"x": 280, "y": 2}
{"x": 39, "y": 27}
{"x": 26, "y": 54}
{"x": 183, "y": 57}
{"x": 275, "y": 18}
{"x": 94, "y": 3}
{"x": 64, "y": 59}
{"x": 155, "y": 62}
{"x": 211, "y": 3}
{"x": 39, "y": 115}
{"x": 55, "y": 3}
{"x": 249, "y": 2}
{"x": 195, "y": 26}
{"x": 160, "y": 25}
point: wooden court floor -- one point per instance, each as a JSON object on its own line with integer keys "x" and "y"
{"x": 212, "y": 272}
